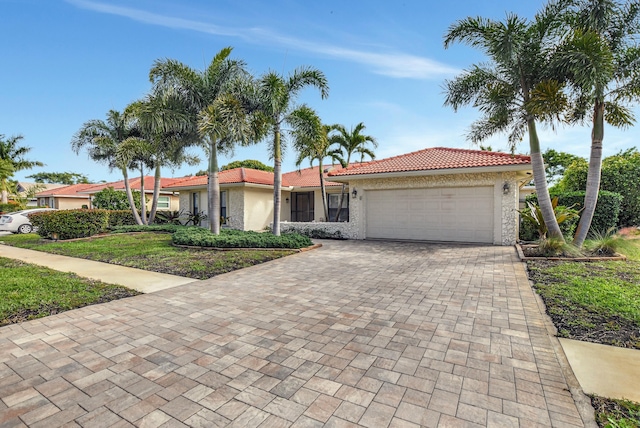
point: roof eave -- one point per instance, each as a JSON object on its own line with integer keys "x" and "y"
{"x": 444, "y": 171}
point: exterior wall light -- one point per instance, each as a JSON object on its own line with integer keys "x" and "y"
{"x": 354, "y": 194}
{"x": 505, "y": 188}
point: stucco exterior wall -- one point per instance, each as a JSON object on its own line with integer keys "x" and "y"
{"x": 258, "y": 208}
{"x": 70, "y": 203}
{"x": 505, "y": 204}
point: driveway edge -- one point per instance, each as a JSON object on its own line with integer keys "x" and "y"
{"x": 583, "y": 402}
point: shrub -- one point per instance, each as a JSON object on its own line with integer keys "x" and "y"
{"x": 200, "y": 237}
{"x": 620, "y": 174}
{"x": 110, "y": 199}
{"x": 168, "y": 217}
{"x": 534, "y": 227}
{"x": 70, "y": 224}
{"x": 9, "y": 207}
{"x": 604, "y": 217}
{"x": 604, "y": 244}
{"x": 119, "y": 218}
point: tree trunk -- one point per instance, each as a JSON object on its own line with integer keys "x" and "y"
{"x": 4, "y": 197}
{"x": 213, "y": 189}
{"x": 156, "y": 192}
{"x": 340, "y": 203}
{"x": 143, "y": 199}
{"x": 323, "y": 191}
{"x": 277, "y": 179}
{"x": 132, "y": 203}
{"x": 593, "y": 176}
{"x": 540, "y": 179}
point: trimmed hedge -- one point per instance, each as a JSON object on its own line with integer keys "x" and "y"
{"x": 10, "y": 207}
{"x": 604, "y": 217}
{"x": 200, "y": 237}
{"x": 119, "y": 218}
{"x": 70, "y": 224}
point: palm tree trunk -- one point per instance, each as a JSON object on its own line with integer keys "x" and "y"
{"x": 339, "y": 210}
{"x": 323, "y": 191}
{"x": 132, "y": 204}
{"x": 593, "y": 176}
{"x": 4, "y": 197}
{"x": 213, "y": 189}
{"x": 156, "y": 193}
{"x": 540, "y": 180}
{"x": 277, "y": 180}
{"x": 143, "y": 199}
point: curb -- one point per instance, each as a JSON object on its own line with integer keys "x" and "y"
{"x": 295, "y": 250}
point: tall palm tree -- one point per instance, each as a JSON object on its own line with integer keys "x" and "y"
{"x": 101, "y": 139}
{"x": 204, "y": 90}
{"x": 350, "y": 143}
{"x": 311, "y": 142}
{"x": 510, "y": 90}
{"x": 14, "y": 154}
{"x": 601, "y": 61}
{"x": 277, "y": 95}
{"x": 167, "y": 127}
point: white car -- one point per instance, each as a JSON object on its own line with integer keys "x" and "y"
{"x": 18, "y": 222}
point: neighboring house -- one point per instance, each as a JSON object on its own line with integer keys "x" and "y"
{"x": 167, "y": 200}
{"x": 78, "y": 196}
{"x": 65, "y": 198}
{"x": 24, "y": 187}
{"x": 246, "y": 197}
{"x": 437, "y": 194}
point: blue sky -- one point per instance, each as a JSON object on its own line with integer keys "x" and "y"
{"x": 68, "y": 61}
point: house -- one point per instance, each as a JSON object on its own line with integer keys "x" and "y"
{"x": 65, "y": 197}
{"x": 167, "y": 200}
{"x": 77, "y": 196}
{"x": 437, "y": 194}
{"x": 246, "y": 197}
{"x": 24, "y": 190}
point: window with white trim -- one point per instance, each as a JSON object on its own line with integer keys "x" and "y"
{"x": 164, "y": 202}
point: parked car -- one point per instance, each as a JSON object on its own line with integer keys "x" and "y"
{"x": 18, "y": 222}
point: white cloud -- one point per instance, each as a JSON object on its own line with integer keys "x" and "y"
{"x": 391, "y": 64}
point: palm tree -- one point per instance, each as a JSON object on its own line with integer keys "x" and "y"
{"x": 206, "y": 91}
{"x": 349, "y": 143}
{"x": 512, "y": 91}
{"x": 277, "y": 95}
{"x": 167, "y": 128}
{"x": 600, "y": 60}
{"x": 101, "y": 139}
{"x": 311, "y": 141}
{"x": 13, "y": 153}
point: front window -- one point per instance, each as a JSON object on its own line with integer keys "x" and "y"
{"x": 195, "y": 203}
{"x": 334, "y": 203}
{"x": 302, "y": 206}
{"x": 163, "y": 203}
{"x": 223, "y": 207}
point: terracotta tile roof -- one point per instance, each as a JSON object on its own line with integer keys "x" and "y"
{"x": 229, "y": 176}
{"x": 435, "y": 158}
{"x": 308, "y": 177}
{"x": 66, "y": 191}
{"x": 134, "y": 183}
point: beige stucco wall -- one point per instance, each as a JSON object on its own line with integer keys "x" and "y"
{"x": 505, "y": 205}
{"x": 70, "y": 203}
{"x": 258, "y": 208}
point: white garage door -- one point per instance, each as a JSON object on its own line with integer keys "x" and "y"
{"x": 462, "y": 214}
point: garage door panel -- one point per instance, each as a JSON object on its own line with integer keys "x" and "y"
{"x": 463, "y": 214}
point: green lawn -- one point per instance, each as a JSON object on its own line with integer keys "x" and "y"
{"x": 29, "y": 291}
{"x": 593, "y": 301}
{"x": 150, "y": 251}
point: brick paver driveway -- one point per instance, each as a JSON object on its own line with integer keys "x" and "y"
{"x": 356, "y": 333}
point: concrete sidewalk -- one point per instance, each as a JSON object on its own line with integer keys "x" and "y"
{"x": 137, "y": 279}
